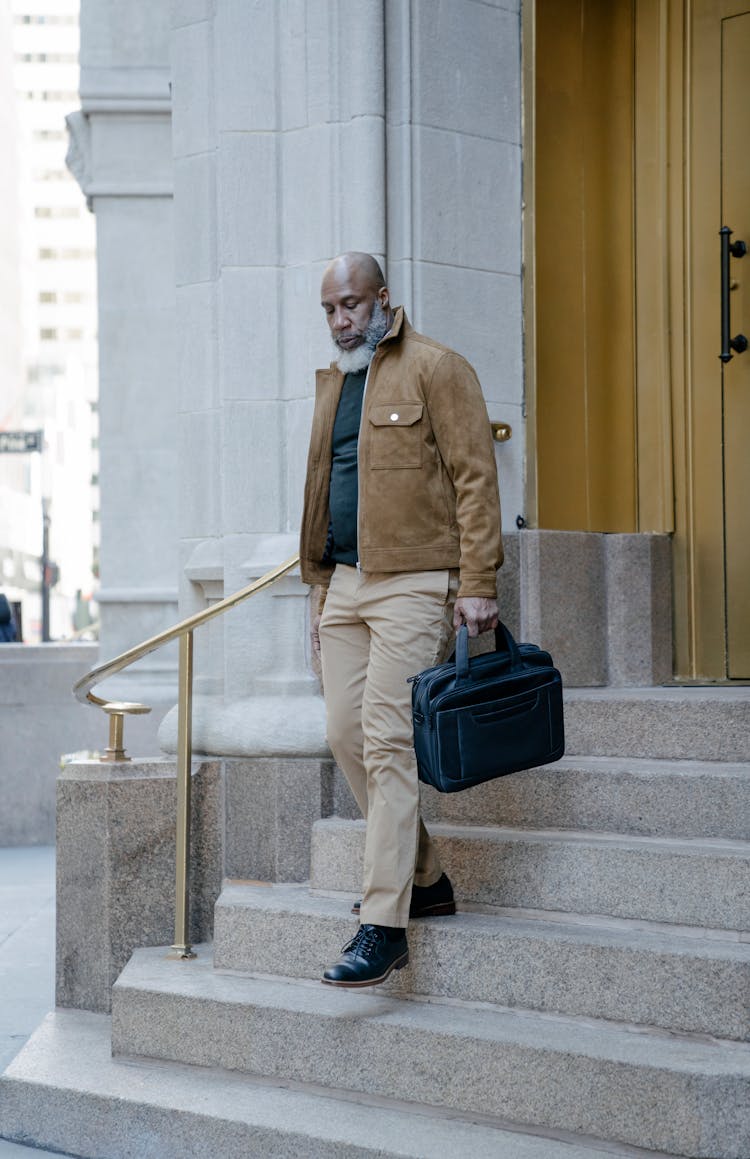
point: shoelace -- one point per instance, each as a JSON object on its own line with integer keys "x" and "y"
{"x": 365, "y": 942}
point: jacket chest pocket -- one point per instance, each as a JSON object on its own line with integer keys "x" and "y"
{"x": 396, "y": 435}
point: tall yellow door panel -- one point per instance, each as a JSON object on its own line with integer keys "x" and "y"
{"x": 717, "y": 492}
{"x": 583, "y": 265}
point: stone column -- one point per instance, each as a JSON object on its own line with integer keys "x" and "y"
{"x": 454, "y": 197}
{"x": 121, "y": 154}
{"x": 283, "y": 114}
{"x": 279, "y": 140}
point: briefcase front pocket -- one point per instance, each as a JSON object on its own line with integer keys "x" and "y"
{"x": 480, "y": 742}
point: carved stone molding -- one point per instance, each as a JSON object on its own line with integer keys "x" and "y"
{"x": 78, "y": 158}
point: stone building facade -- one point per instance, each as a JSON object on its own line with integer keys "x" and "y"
{"x": 299, "y": 130}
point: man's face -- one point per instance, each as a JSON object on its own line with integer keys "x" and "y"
{"x": 348, "y": 299}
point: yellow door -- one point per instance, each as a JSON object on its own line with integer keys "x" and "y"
{"x": 640, "y": 130}
{"x": 718, "y": 461}
{"x": 585, "y": 461}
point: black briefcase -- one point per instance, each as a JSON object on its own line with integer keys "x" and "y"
{"x": 485, "y": 717}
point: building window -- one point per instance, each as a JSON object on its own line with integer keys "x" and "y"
{"x": 62, "y": 18}
{"x": 52, "y": 95}
{"x": 48, "y": 334}
{"x": 48, "y": 57}
{"x": 56, "y": 211}
{"x": 48, "y": 296}
{"x": 66, "y": 254}
{"x": 50, "y": 135}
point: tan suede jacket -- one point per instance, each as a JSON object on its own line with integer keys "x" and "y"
{"x": 428, "y": 495}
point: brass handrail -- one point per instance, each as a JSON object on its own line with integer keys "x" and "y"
{"x": 117, "y": 710}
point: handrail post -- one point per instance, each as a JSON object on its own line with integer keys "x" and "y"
{"x": 115, "y": 750}
{"x": 182, "y": 947}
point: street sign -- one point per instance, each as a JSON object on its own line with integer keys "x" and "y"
{"x": 18, "y": 442}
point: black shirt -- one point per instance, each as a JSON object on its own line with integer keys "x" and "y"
{"x": 344, "y": 494}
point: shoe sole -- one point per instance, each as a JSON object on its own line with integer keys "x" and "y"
{"x": 397, "y": 965}
{"x": 441, "y": 909}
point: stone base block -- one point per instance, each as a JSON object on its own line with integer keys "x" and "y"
{"x": 601, "y": 604}
{"x": 116, "y": 868}
{"x": 271, "y": 805}
{"x": 252, "y": 819}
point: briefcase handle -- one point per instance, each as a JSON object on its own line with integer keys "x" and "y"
{"x": 504, "y": 642}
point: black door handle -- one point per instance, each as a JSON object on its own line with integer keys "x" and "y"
{"x": 735, "y": 249}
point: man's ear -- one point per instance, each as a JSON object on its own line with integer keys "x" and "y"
{"x": 384, "y": 297}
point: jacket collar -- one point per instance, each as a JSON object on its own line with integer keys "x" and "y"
{"x": 399, "y": 328}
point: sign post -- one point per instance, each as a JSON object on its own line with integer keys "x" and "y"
{"x": 45, "y": 570}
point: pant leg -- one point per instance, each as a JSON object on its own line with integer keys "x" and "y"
{"x": 409, "y": 618}
{"x": 344, "y": 656}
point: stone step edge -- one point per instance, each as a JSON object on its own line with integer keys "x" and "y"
{"x": 721, "y": 694}
{"x": 660, "y": 937}
{"x": 484, "y": 1136}
{"x": 647, "y": 767}
{"x": 596, "y": 1039}
{"x": 688, "y": 846}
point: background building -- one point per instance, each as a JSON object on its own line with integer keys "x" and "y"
{"x": 19, "y": 512}
{"x": 55, "y": 386}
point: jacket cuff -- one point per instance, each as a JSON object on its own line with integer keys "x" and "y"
{"x": 478, "y": 584}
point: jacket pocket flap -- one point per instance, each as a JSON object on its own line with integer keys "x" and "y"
{"x": 397, "y": 414}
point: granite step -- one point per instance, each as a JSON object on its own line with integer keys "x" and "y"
{"x": 669, "y": 723}
{"x": 688, "y": 980}
{"x": 688, "y": 882}
{"x": 64, "y": 1091}
{"x": 648, "y": 798}
{"x": 594, "y": 1078}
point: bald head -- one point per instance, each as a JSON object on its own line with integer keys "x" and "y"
{"x": 360, "y": 265}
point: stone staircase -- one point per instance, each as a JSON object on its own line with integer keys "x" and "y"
{"x": 590, "y": 999}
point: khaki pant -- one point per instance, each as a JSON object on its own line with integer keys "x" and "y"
{"x": 375, "y": 632}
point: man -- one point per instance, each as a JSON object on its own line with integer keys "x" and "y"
{"x": 401, "y": 535}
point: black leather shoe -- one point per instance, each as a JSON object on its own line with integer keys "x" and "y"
{"x": 368, "y": 958}
{"x": 428, "y": 901}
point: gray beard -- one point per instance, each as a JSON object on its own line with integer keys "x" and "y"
{"x": 352, "y": 361}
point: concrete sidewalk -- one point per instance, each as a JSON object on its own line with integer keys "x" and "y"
{"x": 27, "y": 956}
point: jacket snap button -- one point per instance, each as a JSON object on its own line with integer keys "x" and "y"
{"x": 394, "y": 417}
